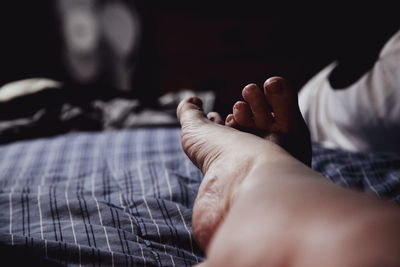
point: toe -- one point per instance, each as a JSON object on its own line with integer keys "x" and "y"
{"x": 215, "y": 117}
{"x": 289, "y": 123}
{"x": 243, "y": 115}
{"x": 259, "y": 106}
{"x": 190, "y": 110}
{"x": 283, "y": 101}
{"x": 231, "y": 122}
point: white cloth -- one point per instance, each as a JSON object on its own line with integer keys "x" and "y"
{"x": 363, "y": 117}
{"x": 20, "y": 88}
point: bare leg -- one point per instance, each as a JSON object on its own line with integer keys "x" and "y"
{"x": 259, "y": 206}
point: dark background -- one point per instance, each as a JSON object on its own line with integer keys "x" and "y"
{"x": 209, "y": 45}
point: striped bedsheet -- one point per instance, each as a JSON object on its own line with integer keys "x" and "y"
{"x": 124, "y": 198}
{"x": 120, "y": 198}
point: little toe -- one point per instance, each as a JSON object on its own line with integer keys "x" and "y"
{"x": 231, "y": 122}
{"x": 283, "y": 101}
{"x": 215, "y": 117}
{"x": 243, "y": 115}
{"x": 259, "y": 106}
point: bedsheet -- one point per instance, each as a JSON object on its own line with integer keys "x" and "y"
{"x": 118, "y": 198}
{"x": 376, "y": 173}
{"x": 124, "y": 198}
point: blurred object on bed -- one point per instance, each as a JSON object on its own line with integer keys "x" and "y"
{"x": 100, "y": 40}
{"x": 16, "y": 89}
{"x": 36, "y": 108}
{"x": 87, "y": 43}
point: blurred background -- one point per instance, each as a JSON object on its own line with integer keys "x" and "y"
{"x": 148, "y": 48}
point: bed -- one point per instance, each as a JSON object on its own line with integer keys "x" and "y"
{"x": 124, "y": 197}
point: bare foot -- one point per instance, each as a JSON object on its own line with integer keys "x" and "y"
{"x": 254, "y": 192}
{"x": 274, "y": 115}
{"x": 225, "y": 156}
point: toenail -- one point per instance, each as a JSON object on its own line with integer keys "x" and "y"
{"x": 274, "y": 86}
{"x": 196, "y": 101}
{"x": 250, "y": 85}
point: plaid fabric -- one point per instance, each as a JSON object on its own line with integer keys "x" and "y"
{"x": 124, "y": 198}
{"x": 375, "y": 173}
{"x": 100, "y": 199}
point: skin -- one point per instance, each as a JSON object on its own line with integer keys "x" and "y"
{"x": 259, "y": 203}
{"x": 273, "y": 113}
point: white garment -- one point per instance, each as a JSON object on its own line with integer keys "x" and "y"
{"x": 363, "y": 117}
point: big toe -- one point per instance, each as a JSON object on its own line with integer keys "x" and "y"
{"x": 289, "y": 122}
{"x": 283, "y": 101}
